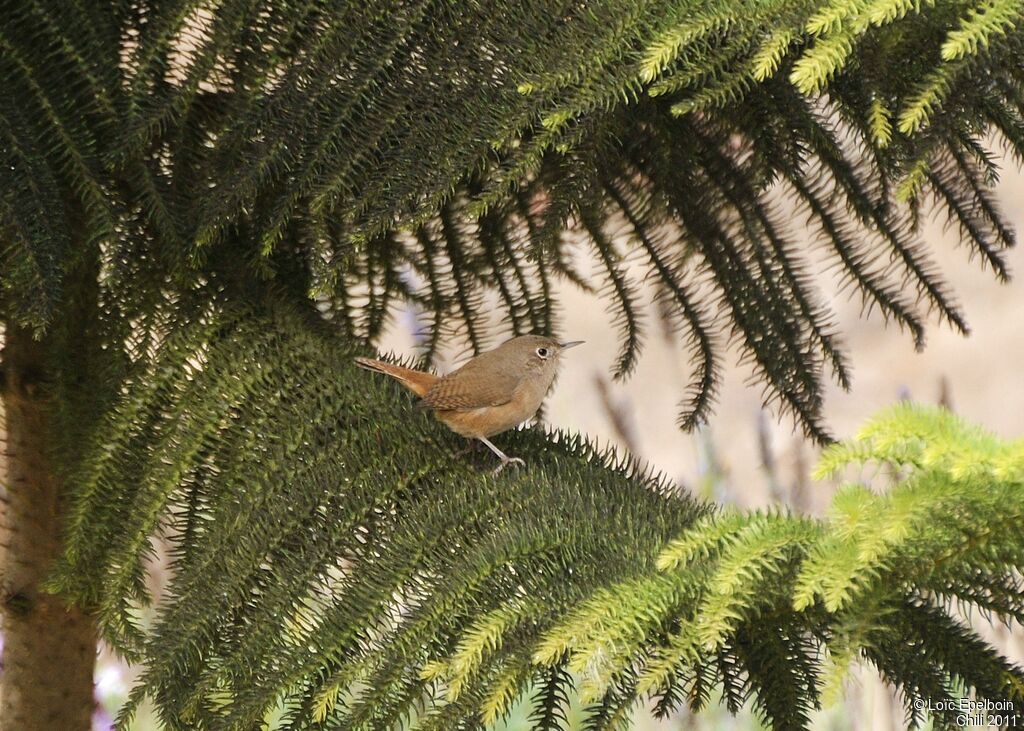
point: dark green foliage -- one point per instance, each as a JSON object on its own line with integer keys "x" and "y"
{"x": 211, "y": 207}
{"x": 339, "y": 553}
{"x": 310, "y": 532}
{"x": 551, "y": 700}
{"x": 434, "y": 154}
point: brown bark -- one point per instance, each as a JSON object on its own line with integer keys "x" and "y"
{"x": 49, "y": 648}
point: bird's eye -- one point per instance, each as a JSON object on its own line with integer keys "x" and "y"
{"x": 542, "y": 352}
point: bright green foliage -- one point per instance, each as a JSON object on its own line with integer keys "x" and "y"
{"x": 432, "y": 153}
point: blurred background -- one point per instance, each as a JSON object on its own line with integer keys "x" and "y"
{"x": 752, "y": 458}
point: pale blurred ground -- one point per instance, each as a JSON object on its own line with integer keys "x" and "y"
{"x": 983, "y": 372}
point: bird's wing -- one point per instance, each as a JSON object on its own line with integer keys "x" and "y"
{"x": 475, "y": 385}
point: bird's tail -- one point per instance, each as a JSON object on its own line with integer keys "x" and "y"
{"x": 418, "y": 382}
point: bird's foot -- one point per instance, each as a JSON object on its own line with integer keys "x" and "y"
{"x": 505, "y": 462}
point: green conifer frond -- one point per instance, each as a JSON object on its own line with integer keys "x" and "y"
{"x": 979, "y": 27}
{"x": 362, "y": 141}
{"x": 331, "y": 554}
{"x": 244, "y": 191}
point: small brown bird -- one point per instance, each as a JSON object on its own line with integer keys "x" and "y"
{"x": 490, "y": 393}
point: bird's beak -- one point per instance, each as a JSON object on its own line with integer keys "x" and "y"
{"x": 571, "y": 344}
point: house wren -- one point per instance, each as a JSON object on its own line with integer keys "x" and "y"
{"x": 490, "y": 393}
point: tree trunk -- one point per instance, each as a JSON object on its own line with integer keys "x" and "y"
{"x": 49, "y": 648}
